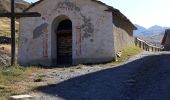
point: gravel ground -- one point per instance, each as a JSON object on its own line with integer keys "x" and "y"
{"x": 143, "y": 77}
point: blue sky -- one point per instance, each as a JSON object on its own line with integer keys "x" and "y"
{"x": 143, "y": 12}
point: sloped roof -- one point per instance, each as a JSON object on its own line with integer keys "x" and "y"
{"x": 167, "y": 32}
{"x": 110, "y": 8}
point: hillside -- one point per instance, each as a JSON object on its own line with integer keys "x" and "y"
{"x": 5, "y": 27}
{"x": 5, "y": 22}
{"x": 153, "y": 34}
{"x": 20, "y": 5}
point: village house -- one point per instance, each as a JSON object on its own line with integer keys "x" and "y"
{"x": 73, "y": 32}
{"x": 166, "y": 40}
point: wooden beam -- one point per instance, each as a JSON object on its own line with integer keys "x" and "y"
{"x": 12, "y": 15}
{"x": 19, "y": 15}
{"x": 13, "y": 32}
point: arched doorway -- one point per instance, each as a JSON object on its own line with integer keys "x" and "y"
{"x": 64, "y": 42}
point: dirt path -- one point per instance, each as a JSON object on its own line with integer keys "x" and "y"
{"x": 143, "y": 77}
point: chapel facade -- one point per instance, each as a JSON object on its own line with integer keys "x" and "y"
{"x": 73, "y": 32}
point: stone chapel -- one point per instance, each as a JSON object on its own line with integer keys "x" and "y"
{"x": 73, "y": 32}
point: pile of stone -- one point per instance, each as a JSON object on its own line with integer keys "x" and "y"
{"x": 4, "y": 59}
{"x": 4, "y": 56}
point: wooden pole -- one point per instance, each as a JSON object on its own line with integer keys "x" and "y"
{"x": 12, "y": 32}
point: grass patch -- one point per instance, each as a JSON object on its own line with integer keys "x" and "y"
{"x": 129, "y": 52}
{"x": 10, "y": 76}
{"x": 126, "y": 54}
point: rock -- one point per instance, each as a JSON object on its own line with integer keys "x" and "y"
{"x": 21, "y": 97}
{"x": 119, "y": 54}
{"x": 4, "y": 59}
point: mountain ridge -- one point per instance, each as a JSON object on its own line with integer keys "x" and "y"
{"x": 153, "y": 34}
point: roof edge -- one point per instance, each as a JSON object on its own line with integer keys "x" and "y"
{"x": 110, "y": 8}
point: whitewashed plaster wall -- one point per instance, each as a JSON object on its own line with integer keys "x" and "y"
{"x": 92, "y": 29}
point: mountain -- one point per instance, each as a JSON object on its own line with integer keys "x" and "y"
{"x": 153, "y": 34}
{"x": 154, "y": 30}
{"x": 140, "y": 30}
{"x": 20, "y": 5}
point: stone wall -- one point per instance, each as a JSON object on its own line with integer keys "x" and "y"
{"x": 122, "y": 39}
{"x": 92, "y": 39}
{"x": 123, "y": 33}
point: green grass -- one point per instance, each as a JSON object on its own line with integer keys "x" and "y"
{"x": 10, "y": 76}
{"x": 129, "y": 52}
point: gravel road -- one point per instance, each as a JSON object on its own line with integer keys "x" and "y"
{"x": 143, "y": 77}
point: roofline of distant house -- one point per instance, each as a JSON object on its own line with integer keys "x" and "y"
{"x": 110, "y": 8}
{"x": 165, "y": 36}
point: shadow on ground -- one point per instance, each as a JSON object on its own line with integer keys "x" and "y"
{"x": 144, "y": 79}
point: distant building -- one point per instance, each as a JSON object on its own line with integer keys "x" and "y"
{"x": 166, "y": 40}
{"x": 73, "y": 32}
